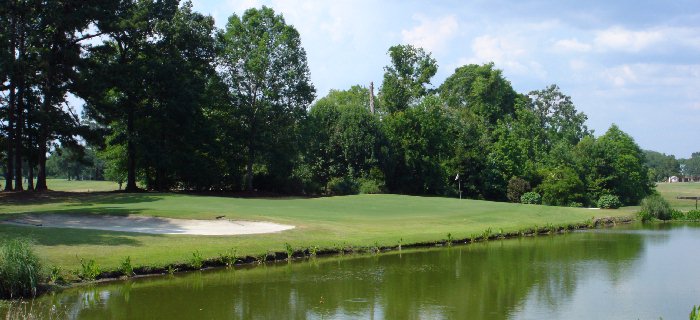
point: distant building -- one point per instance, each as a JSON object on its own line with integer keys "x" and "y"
{"x": 673, "y": 179}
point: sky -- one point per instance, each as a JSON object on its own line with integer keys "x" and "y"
{"x": 632, "y": 63}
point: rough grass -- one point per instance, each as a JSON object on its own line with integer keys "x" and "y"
{"x": 671, "y": 192}
{"x": 81, "y": 186}
{"x": 332, "y": 222}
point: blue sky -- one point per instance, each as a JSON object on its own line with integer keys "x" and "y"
{"x": 632, "y": 63}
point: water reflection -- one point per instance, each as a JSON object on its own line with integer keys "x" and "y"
{"x": 522, "y": 278}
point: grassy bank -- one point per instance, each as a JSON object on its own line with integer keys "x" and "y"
{"x": 359, "y": 221}
{"x": 671, "y": 192}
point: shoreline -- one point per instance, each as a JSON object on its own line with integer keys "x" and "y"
{"x": 280, "y": 256}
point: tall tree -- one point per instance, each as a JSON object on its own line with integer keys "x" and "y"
{"x": 115, "y": 79}
{"x": 481, "y": 89}
{"x": 405, "y": 80}
{"x": 265, "y": 68}
{"x": 558, "y": 116}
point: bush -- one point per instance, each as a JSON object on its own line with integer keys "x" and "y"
{"x": 609, "y": 201}
{"x": 126, "y": 268}
{"x": 656, "y": 207}
{"x": 370, "y": 186}
{"x": 89, "y": 270}
{"x": 645, "y": 216}
{"x": 531, "y": 198}
{"x": 693, "y": 215}
{"x": 342, "y": 186}
{"x": 677, "y": 215}
{"x": 20, "y": 269}
{"x": 574, "y": 204}
{"x": 516, "y": 188}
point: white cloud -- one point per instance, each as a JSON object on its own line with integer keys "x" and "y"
{"x": 572, "y": 45}
{"x": 618, "y": 38}
{"x": 510, "y": 53}
{"x": 431, "y": 34}
{"x": 684, "y": 79}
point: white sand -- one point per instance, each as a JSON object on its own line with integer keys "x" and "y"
{"x": 154, "y": 225}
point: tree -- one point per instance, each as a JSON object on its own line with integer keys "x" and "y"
{"x": 558, "y": 116}
{"x": 481, "y": 89}
{"x": 691, "y": 166}
{"x": 661, "y": 166}
{"x": 115, "y": 78}
{"x": 343, "y": 137}
{"x": 264, "y": 66}
{"x": 420, "y": 148}
{"x": 614, "y": 164}
{"x": 406, "y": 78}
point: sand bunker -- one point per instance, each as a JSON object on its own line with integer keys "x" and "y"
{"x": 154, "y": 225}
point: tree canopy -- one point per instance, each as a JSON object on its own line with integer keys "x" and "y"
{"x": 173, "y": 103}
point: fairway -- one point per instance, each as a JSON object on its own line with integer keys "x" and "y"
{"x": 329, "y": 222}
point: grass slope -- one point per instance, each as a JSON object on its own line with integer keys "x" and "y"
{"x": 361, "y": 220}
{"x": 671, "y": 192}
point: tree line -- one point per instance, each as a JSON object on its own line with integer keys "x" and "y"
{"x": 174, "y": 103}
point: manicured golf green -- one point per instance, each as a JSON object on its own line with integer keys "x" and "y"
{"x": 330, "y": 222}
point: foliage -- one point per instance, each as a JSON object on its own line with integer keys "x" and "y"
{"x": 561, "y": 186}
{"x": 405, "y": 79}
{"x": 421, "y": 140}
{"x": 267, "y": 77}
{"x": 229, "y": 258}
{"x": 654, "y": 206}
{"x": 482, "y": 89}
{"x": 677, "y": 215}
{"x": 370, "y": 186}
{"x": 531, "y": 198}
{"x": 691, "y": 166}
{"x": 89, "y": 270}
{"x": 693, "y": 215}
{"x": 342, "y": 186}
{"x": 126, "y": 268}
{"x": 20, "y": 269}
{"x": 695, "y": 313}
{"x": 517, "y": 187}
{"x": 196, "y": 261}
{"x": 661, "y": 166}
{"x": 609, "y": 201}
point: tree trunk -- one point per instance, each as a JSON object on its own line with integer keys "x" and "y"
{"x": 30, "y": 178}
{"x": 249, "y": 169}
{"x": 19, "y": 123}
{"x": 131, "y": 153}
{"x": 12, "y": 100}
{"x": 9, "y": 174}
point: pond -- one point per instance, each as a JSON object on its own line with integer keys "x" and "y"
{"x": 628, "y": 272}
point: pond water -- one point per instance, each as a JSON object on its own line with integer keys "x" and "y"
{"x": 628, "y": 272}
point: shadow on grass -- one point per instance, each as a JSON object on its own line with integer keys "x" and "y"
{"x": 68, "y": 236}
{"x": 76, "y": 198}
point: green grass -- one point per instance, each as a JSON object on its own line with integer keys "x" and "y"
{"x": 81, "y": 186}
{"x": 671, "y": 192}
{"x": 332, "y": 222}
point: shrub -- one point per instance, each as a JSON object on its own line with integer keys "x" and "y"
{"x": 370, "y": 186}
{"x": 197, "y": 261}
{"x": 645, "y": 216}
{"x": 575, "y": 204}
{"x": 126, "y": 268}
{"x": 531, "y": 198}
{"x": 609, "y": 201}
{"x": 89, "y": 270}
{"x": 516, "y": 188}
{"x": 342, "y": 186}
{"x": 693, "y": 215}
{"x": 656, "y": 207}
{"x": 20, "y": 269}
{"x": 677, "y": 215}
